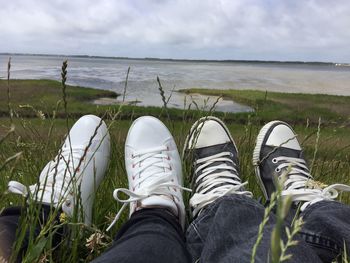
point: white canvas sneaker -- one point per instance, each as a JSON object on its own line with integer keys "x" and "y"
{"x": 154, "y": 169}
{"x": 74, "y": 175}
{"x": 277, "y": 152}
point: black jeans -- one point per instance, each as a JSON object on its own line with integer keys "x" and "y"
{"x": 224, "y": 232}
{"x": 150, "y": 235}
{"x": 10, "y": 222}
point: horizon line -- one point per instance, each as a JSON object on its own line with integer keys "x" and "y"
{"x": 177, "y": 59}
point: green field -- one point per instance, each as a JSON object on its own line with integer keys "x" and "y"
{"x": 40, "y": 119}
{"x": 292, "y": 107}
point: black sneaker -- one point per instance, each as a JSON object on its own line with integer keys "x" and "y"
{"x": 278, "y": 152}
{"x": 215, "y": 163}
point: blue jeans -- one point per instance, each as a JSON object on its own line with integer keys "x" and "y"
{"x": 226, "y": 231}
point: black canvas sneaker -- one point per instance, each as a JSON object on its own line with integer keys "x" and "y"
{"x": 278, "y": 152}
{"x": 215, "y": 163}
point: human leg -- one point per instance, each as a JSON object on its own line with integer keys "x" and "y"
{"x": 14, "y": 218}
{"x": 327, "y": 228}
{"x": 150, "y": 235}
{"x": 227, "y": 219}
{"x": 66, "y": 183}
{"x": 326, "y": 225}
{"x": 9, "y": 221}
{"x": 154, "y": 232}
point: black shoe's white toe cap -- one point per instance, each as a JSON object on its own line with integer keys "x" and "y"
{"x": 209, "y": 133}
{"x": 283, "y": 136}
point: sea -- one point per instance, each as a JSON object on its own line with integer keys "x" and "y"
{"x": 143, "y": 88}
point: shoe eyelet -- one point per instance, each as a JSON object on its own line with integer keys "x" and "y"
{"x": 274, "y": 160}
{"x": 170, "y": 168}
{"x": 133, "y": 165}
{"x": 168, "y": 158}
{"x": 167, "y": 148}
{"x": 132, "y": 156}
{"x": 277, "y": 170}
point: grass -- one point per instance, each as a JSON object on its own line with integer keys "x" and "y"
{"x": 27, "y": 96}
{"x": 292, "y": 107}
{"x": 38, "y": 129}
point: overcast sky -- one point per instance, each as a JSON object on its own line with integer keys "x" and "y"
{"x": 307, "y": 30}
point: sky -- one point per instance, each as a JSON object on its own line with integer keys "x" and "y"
{"x": 287, "y": 30}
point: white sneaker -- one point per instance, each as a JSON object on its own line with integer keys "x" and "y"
{"x": 154, "y": 169}
{"x": 73, "y": 176}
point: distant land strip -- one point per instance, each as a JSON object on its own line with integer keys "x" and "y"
{"x": 183, "y": 60}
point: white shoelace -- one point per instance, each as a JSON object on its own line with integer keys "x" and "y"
{"x": 213, "y": 184}
{"x": 57, "y": 183}
{"x": 300, "y": 185}
{"x": 152, "y": 177}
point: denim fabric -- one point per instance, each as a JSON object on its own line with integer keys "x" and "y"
{"x": 10, "y": 220}
{"x": 223, "y": 232}
{"x": 226, "y": 231}
{"x": 327, "y": 228}
{"x": 150, "y": 235}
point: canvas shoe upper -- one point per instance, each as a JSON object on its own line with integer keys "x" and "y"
{"x": 72, "y": 177}
{"x": 215, "y": 163}
{"x": 154, "y": 169}
{"x": 278, "y": 152}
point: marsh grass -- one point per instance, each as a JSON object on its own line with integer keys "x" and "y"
{"x": 126, "y": 83}
{"x": 29, "y": 140}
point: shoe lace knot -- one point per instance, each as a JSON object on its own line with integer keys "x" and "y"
{"x": 152, "y": 176}
{"x": 301, "y": 186}
{"x": 56, "y": 185}
{"x": 217, "y": 176}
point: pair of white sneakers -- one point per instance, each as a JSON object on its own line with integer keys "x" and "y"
{"x": 154, "y": 167}
{"x": 71, "y": 179}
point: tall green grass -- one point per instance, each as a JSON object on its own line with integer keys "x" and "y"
{"x": 27, "y": 144}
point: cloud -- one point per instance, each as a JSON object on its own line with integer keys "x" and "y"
{"x": 213, "y": 29}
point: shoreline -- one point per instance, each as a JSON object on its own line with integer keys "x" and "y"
{"x": 28, "y": 97}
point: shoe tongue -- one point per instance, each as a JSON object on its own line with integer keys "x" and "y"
{"x": 160, "y": 201}
{"x": 152, "y": 169}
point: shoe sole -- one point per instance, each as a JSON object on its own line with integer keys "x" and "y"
{"x": 195, "y": 126}
{"x": 257, "y": 150}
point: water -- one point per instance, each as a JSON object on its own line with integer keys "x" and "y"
{"x": 109, "y": 74}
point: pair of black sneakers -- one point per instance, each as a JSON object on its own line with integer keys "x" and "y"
{"x": 277, "y": 153}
